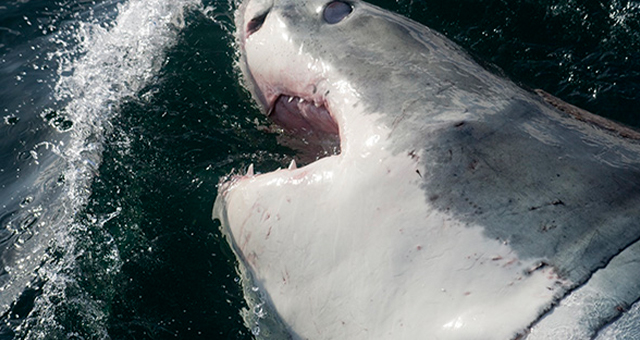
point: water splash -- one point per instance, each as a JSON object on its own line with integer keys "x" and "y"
{"x": 100, "y": 62}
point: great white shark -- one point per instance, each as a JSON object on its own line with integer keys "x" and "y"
{"x": 456, "y": 205}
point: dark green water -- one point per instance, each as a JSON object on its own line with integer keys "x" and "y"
{"x": 136, "y": 255}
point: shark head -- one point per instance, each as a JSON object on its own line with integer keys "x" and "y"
{"x": 316, "y": 76}
{"x": 423, "y": 212}
{"x": 301, "y": 82}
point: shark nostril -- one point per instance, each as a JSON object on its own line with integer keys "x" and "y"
{"x": 255, "y": 23}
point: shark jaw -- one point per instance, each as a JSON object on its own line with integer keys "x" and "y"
{"x": 349, "y": 246}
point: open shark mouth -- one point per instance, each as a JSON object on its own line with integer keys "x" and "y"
{"x": 302, "y": 116}
{"x": 312, "y": 129}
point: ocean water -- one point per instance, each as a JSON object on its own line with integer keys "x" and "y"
{"x": 119, "y": 117}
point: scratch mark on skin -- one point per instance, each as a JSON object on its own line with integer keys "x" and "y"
{"x": 477, "y": 258}
{"x": 266, "y": 216}
{"x": 414, "y": 155}
{"x": 555, "y": 202}
{"x": 247, "y": 238}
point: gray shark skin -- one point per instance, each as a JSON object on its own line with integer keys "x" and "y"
{"x": 459, "y": 206}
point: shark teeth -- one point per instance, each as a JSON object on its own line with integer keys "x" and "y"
{"x": 250, "y": 170}
{"x": 292, "y": 165}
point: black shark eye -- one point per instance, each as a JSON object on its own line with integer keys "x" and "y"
{"x": 335, "y": 11}
{"x": 255, "y": 23}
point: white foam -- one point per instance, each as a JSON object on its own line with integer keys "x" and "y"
{"x": 100, "y": 66}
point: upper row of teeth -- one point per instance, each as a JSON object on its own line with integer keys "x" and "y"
{"x": 300, "y": 101}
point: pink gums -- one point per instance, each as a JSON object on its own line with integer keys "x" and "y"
{"x": 297, "y": 115}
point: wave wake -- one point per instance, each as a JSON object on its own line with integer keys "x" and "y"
{"x": 100, "y": 62}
